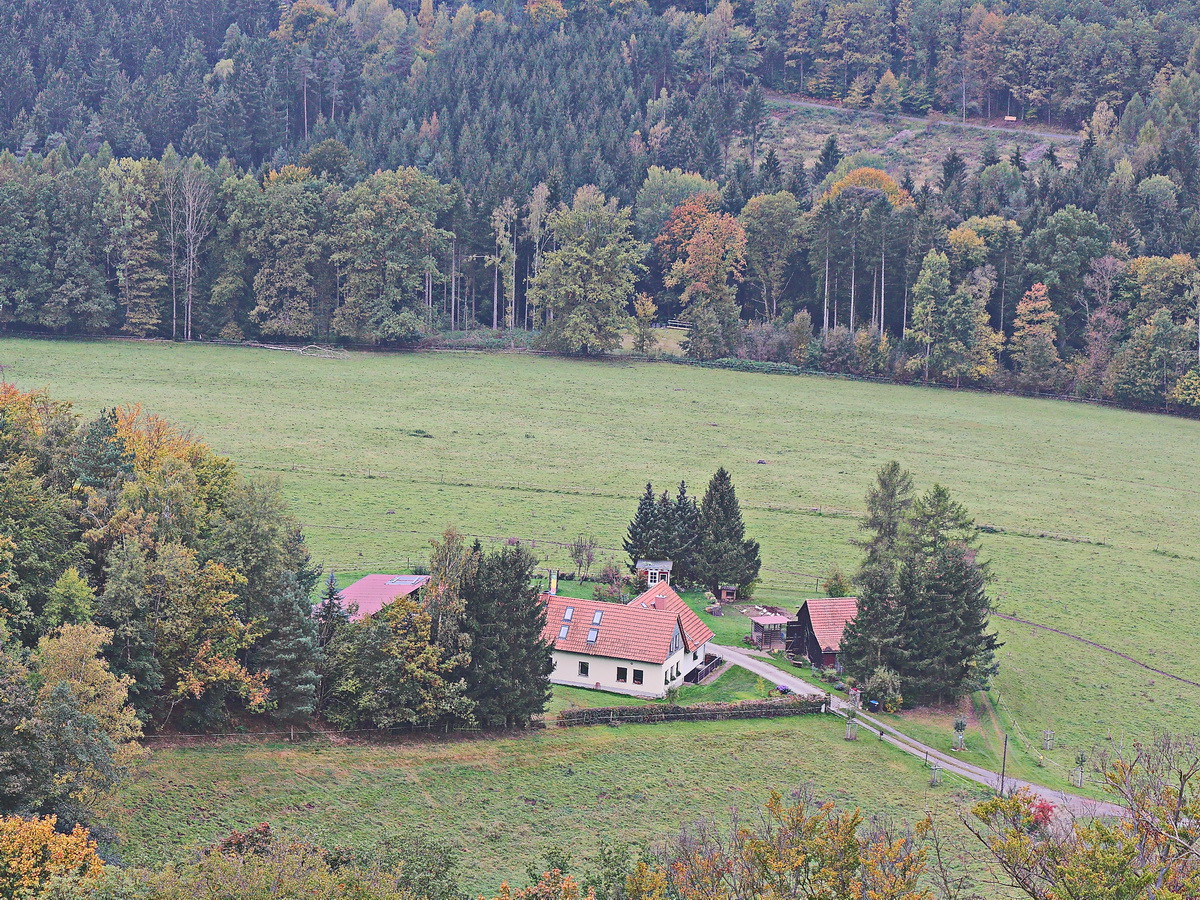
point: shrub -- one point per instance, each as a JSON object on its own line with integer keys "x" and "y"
{"x": 32, "y": 853}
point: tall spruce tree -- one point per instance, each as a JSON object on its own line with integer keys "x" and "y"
{"x": 726, "y": 555}
{"x": 508, "y": 676}
{"x": 922, "y": 610}
{"x": 686, "y": 522}
{"x": 641, "y": 529}
{"x": 290, "y": 651}
{"x": 869, "y": 641}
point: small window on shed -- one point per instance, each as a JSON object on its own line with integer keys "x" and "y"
{"x": 568, "y": 613}
{"x": 597, "y": 616}
{"x": 593, "y": 633}
{"x": 562, "y": 632}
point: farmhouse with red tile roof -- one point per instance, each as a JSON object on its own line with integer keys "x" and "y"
{"x": 371, "y": 593}
{"x": 643, "y": 648}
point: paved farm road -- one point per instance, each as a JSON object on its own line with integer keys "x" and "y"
{"x": 1079, "y": 806}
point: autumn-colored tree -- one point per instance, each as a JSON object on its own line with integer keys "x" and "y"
{"x": 683, "y": 222}
{"x": 32, "y": 852}
{"x": 644, "y": 313}
{"x": 1149, "y": 853}
{"x": 801, "y": 849}
{"x": 72, "y": 656}
{"x": 1035, "y": 354}
{"x": 553, "y": 885}
{"x": 708, "y": 274}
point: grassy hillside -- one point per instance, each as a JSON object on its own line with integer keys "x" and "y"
{"x": 378, "y": 453}
{"x": 566, "y": 788}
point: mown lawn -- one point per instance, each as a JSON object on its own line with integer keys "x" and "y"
{"x": 380, "y": 452}
{"x": 504, "y": 802}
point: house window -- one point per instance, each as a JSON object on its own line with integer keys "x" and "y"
{"x": 593, "y": 633}
{"x": 583, "y": 669}
{"x": 667, "y": 677}
{"x": 597, "y": 616}
{"x": 568, "y": 613}
{"x": 622, "y": 674}
{"x": 637, "y": 676}
{"x": 695, "y": 655}
{"x": 562, "y": 632}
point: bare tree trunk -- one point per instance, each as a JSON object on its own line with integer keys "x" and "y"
{"x": 825, "y": 323}
{"x": 197, "y": 199}
{"x": 496, "y": 293}
{"x": 853, "y": 276}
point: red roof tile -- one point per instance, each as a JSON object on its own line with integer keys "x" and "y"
{"x": 663, "y": 596}
{"x": 373, "y": 592}
{"x": 624, "y": 632}
{"x": 829, "y": 616}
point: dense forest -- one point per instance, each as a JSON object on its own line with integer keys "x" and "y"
{"x": 369, "y": 174}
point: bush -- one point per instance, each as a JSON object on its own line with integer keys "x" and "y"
{"x": 798, "y": 705}
{"x": 32, "y": 853}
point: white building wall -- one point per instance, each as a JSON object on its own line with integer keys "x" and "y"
{"x": 602, "y": 672}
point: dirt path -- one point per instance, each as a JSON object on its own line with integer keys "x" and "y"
{"x": 1079, "y": 806}
{"x": 786, "y": 100}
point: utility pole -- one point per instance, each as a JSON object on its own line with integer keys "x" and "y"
{"x": 1004, "y": 765}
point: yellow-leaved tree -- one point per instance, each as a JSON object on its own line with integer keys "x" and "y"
{"x": 32, "y": 852}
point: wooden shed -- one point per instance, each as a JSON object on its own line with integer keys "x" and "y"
{"x": 816, "y": 632}
{"x": 655, "y": 571}
{"x": 768, "y": 631}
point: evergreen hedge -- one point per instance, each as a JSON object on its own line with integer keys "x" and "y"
{"x": 702, "y": 712}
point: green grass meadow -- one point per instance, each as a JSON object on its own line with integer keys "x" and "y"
{"x": 505, "y": 802}
{"x": 378, "y": 453}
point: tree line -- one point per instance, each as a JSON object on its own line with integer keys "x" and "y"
{"x": 145, "y": 584}
{"x": 570, "y": 175}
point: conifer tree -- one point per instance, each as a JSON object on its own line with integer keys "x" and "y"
{"x": 330, "y": 613}
{"x": 102, "y": 459}
{"x": 726, "y": 555}
{"x": 290, "y": 650}
{"x": 686, "y": 524}
{"x": 868, "y": 643}
{"x": 510, "y": 665}
{"x": 641, "y": 529}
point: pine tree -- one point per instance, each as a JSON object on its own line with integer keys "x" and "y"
{"x": 641, "y": 528}
{"x": 726, "y": 556}
{"x": 686, "y": 522}
{"x": 330, "y": 613}
{"x": 102, "y": 459}
{"x": 869, "y": 641}
{"x": 289, "y": 652}
{"x": 828, "y": 159}
{"x": 510, "y": 665}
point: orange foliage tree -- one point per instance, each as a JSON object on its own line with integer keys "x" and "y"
{"x": 682, "y": 224}
{"x": 32, "y": 852}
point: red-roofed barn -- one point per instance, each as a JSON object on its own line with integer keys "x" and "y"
{"x": 371, "y": 593}
{"x": 817, "y": 630}
{"x": 642, "y": 648}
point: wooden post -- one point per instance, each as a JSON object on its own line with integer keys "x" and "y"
{"x": 1004, "y": 766}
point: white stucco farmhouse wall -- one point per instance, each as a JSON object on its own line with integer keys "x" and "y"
{"x": 602, "y": 672}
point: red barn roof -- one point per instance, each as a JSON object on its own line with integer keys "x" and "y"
{"x": 829, "y": 616}
{"x": 373, "y": 592}
{"x": 634, "y": 632}
{"x": 663, "y": 596}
